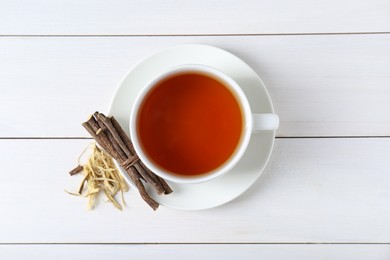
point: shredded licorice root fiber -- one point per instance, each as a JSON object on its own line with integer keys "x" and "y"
{"x": 100, "y": 176}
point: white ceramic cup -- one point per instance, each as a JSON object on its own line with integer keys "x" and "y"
{"x": 251, "y": 123}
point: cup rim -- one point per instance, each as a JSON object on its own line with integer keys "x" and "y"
{"x": 241, "y": 147}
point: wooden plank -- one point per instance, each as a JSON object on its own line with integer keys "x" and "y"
{"x": 324, "y": 85}
{"x": 172, "y": 17}
{"x": 313, "y": 190}
{"x": 301, "y": 252}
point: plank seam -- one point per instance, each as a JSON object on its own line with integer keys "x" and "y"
{"x": 188, "y": 35}
{"x": 277, "y": 137}
{"x": 214, "y": 243}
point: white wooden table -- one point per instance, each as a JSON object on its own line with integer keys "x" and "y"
{"x": 325, "y": 194}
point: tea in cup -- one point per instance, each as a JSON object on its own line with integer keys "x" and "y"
{"x": 193, "y": 123}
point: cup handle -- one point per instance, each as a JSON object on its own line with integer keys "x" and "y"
{"x": 263, "y": 122}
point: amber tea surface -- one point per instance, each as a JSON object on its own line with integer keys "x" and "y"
{"x": 190, "y": 124}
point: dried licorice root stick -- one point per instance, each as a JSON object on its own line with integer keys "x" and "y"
{"x": 109, "y": 135}
{"x": 76, "y": 170}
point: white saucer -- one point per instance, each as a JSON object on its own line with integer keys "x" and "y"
{"x": 228, "y": 187}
